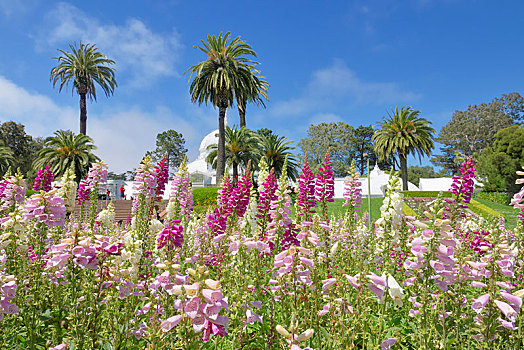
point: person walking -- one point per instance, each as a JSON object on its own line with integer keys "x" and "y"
{"x": 123, "y": 192}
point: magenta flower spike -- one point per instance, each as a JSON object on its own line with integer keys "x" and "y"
{"x": 306, "y": 191}
{"x": 325, "y": 184}
{"x": 463, "y": 184}
{"x": 172, "y": 236}
{"x": 43, "y": 179}
{"x": 162, "y": 177}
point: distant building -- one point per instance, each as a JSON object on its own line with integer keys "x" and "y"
{"x": 202, "y": 174}
{"x": 379, "y": 182}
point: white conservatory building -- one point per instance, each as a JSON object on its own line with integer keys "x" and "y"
{"x": 202, "y": 174}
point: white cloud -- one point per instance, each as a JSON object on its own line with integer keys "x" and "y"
{"x": 337, "y": 84}
{"x": 134, "y": 46}
{"x": 10, "y": 7}
{"x": 122, "y": 135}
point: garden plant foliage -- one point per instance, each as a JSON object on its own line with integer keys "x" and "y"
{"x": 250, "y": 275}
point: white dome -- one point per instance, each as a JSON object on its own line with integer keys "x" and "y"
{"x": 208, "y": 140}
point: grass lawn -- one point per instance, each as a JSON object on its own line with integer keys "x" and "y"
{"x": 338, "y": 210}
{"x": 509, "y": 212}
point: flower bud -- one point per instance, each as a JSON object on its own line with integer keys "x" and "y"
{"x": 212, "y": 284}
{"x": 282, "y": 331}
{"x": 305, "y": 335}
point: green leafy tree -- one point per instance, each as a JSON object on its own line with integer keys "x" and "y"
{"x": 362, "y": 145}
{"x": 170, "y": 143}
{"x": 264, "y": 132}
{"x": 498, "y": 163}
{"x": 241, "y": 147}
{"x": 337, "y": 137}
{"x": 114, "y": 176}
{"x": 403, "y": 133}
{"x": 472, "y": 130}
{"x": 449, "y": 160}
{"x": 23, "y": 146}
{"x": 84, "y": 66}
{"x": 274, "y": 149}
{"x": 66, "y": 150}
{"x": 224, "y": 75}
{"x": 415, "y": 173}
{"x": 6, "y": 159}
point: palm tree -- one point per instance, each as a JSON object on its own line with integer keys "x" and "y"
{"x": 274, "y": 149}
{"x": 253, "y": 93}
{"x": 240, "y": 148}
{"x": 401, "y": 134}
{"x": 226, "y": 74}
{"x": 6, "y": 158}
{"x": 85, "y": 66}
{"x": 67, "y": 150}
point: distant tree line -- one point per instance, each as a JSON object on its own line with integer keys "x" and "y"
{"x": 493, "y": 135}
{"x": 345, "y": 143}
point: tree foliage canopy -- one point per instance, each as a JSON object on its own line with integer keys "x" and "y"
{"x": 66, "y": 150}
{"x": 403, "y": 133}
{"x": 226, "y": 74}
{"x": 22, "y": 146}
{"x": 275, "y": 149}
{"x": 415, "y": 173}
{"x": 172, "y": 144}
{"x": 337, "y": 137}
{"x": 498, "y": 163}
{"x": 84, "y": 66}
{"x": 346, "y": 143}
{"x": 472, "y": 130}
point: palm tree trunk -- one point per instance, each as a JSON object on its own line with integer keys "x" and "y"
{"x": 404, "y": 171}
{"x": 235, "y": 172}
{"x": 83, "y": 114}
{"x": 221, "y": 149}
{"x": 242, "y": 115}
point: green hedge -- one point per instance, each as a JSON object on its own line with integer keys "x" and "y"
{"x": 431, "y": 194}
{"x": 483, "y": 210}
{"x": 496, "y": 197}
{"x": 205, "y": 196}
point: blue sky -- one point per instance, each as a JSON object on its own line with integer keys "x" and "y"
{"x": 348, "y": 61}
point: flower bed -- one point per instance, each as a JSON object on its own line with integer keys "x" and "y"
{"x": 249, "y": 275}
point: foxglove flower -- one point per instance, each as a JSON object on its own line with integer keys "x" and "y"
{"x": 171, "y": 236}
{"x": 463, "y": 184}
{"x": 145, "y": 183}
{"x": 181, "y": 197}
{"x": 43, "y": 179}
{"x": 162, "y": 177}
{"x": 306, "y": 191}
{"x": 352, "y": 189}
{"x": 325, "y": 184}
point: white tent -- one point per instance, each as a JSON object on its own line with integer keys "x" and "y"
{"x": 379, "y": 182}
{"x": 436, "y": 184}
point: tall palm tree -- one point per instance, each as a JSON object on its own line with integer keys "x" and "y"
{"x": 241, "y": 147}
{"x": 274, "y": 149}
{"x": 67, "y": 150}
{"x": 253, "y": 93}
{"x": 225, "y": 74}
{"x": 402, "y": 133}
{"x": 6, "y": 158}
{"x": 84, "y": 66}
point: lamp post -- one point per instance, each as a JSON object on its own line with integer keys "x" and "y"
{"x": 369, "y": 193}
